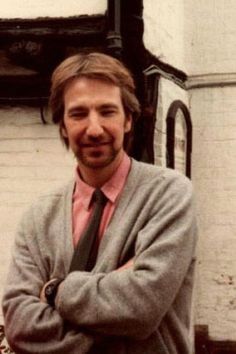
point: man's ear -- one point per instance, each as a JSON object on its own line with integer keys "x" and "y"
{"x": 64, "y": 131}
{"x": 64, "y": 135}
{"x": 128, "y": 123}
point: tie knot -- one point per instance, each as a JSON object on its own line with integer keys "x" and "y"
{"x": 99, "y": 197}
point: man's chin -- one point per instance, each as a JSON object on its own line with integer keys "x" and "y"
{"x": 96, "y": 162}
{"x": 98, "y": 159}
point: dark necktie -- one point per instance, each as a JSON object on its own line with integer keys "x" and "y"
{"x": 85, "y": 254}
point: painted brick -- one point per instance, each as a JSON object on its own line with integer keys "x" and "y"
{"x": 214, "y": 174}
{"x": 210, "y": 36}
{"x": 32, "y": 161}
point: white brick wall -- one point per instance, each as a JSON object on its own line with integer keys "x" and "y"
{"x": 210, "y": 32}
{"x": 214, "y": 176}
{"x": 32, "y": 161}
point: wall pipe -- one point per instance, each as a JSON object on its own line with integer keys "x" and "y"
{"x": 114, "y": 39}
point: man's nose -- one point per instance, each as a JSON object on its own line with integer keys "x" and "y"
{"x": 94, "y": 127}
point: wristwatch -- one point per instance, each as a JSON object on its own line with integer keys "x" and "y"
{"x": 50, "y": 291}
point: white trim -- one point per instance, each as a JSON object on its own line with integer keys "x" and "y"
{"x": 154, "y": 69}
{"x": 211, "y": 80}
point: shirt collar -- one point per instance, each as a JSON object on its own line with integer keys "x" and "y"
{"x": 112, "y": 188}
{"x": 114, "y": 185}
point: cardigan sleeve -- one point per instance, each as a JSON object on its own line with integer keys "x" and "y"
{"x": 30, "y": 325}
{"x": 132, "y": 302}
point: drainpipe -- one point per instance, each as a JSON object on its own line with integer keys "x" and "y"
{"x": 114, "y": 39}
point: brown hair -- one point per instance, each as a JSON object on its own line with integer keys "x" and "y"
{"x": 95, "y": 66}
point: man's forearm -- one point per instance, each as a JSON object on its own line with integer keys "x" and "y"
{"x": 134, "y": 300}
{"x": 43, "y": 296}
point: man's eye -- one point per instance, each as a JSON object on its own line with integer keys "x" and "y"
{"x": 108, "y": 112}
{"x": 78, "y": 114}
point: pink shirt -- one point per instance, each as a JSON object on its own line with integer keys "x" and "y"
{"x": 83, "y": 194}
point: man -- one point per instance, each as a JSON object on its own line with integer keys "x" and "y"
{"x": 137, "y": 297}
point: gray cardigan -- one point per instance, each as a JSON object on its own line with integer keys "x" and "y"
{"x": 141, "y": 310}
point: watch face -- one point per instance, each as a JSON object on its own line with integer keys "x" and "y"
{"x": 49, "y": 289}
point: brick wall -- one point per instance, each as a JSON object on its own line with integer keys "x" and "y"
{"x": 209, "y": 36}
{"x": 32, "y": 160}
{"x": 214, "y": 175}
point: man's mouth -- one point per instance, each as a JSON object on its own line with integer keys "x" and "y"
{"x": 95, "y": 144}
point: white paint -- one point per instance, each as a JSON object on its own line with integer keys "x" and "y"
{"x": 214, "y": 175}
{"x": 51, "y": 8}
{"x": 210, "y": 32}
{"x": 209, "y": 80}
{"x": 32, "y": 161}
{"x": 194, "y": 36}
{"x": 164, "y": 30}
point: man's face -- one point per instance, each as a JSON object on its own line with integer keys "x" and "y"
{"x": 95, "y": 122}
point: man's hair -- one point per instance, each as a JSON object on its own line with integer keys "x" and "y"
{"x": 93, "y": 66}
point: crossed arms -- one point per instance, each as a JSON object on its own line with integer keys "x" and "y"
{"x": 130, "y": 302}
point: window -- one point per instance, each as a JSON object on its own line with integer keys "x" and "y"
{"x": 179, "y": 138}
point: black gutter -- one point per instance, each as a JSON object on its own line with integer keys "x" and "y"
{"x": 114, "y": 39}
